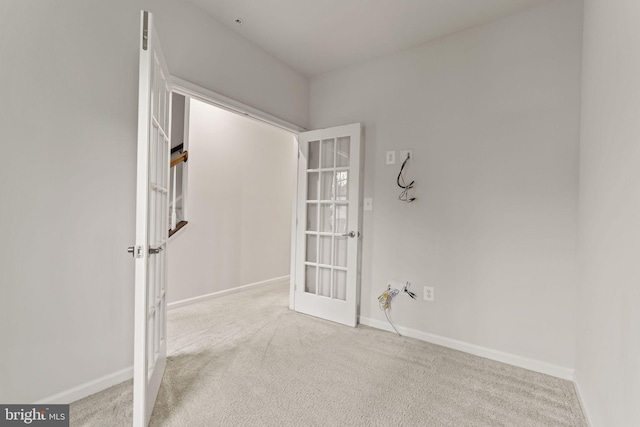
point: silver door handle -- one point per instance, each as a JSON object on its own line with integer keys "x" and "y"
{"x": 135, "y": 251}
{"x": 153, "y": 251}
{"x": 349, "y": 234}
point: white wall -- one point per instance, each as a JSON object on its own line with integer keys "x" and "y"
{"x": 608, "y": 350}
{"x": 177, "y": 119}
{"x": 492, "y": 114}
{"x": 204, "y": 52}
{"x": 69, "y": 118}
{"x": 240, "y": 196}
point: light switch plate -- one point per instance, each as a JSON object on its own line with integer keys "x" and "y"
{"x": 391, "y": 157}
{"x": 368, "y": 204}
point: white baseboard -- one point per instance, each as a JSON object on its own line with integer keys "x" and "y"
{"x": 88, "y": 388}
{"x": 199, "y": 298}
{"x": 583, "y": 403}
{"x": 499, "y": 356}
{"x": 102, "y": 383}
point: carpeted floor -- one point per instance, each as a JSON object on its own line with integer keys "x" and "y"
{"x": 247, "y": 360}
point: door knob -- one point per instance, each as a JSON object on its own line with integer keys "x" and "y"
{"x": 349, "y": 234}
{"x": 153, "y": 251}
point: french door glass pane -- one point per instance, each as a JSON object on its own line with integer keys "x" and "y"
{"x": 340, "y": 284}
{"x": 327, "y": 186}
{"x": 151, "y": 281}
{"x": 342, "y": 185}
{"x": 328, "y": 153}
{"x": 340, "y": 252}
{"x": 324, "y": 282}
{"x": 342, "y": 154}
{"x": 325, "y": 250}
{"x": 326, "y": 218}
{"x": 310, "y": 279}
{"x": 340, "y": 219}
{"x": 312, "y": 186}
{"x": 312, "y": 216}
{"x": 153, "y": 165}
{"x": 313, "y": 161}
{"x": 312, "y": 249}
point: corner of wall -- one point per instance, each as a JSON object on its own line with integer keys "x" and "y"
{"x": 581, "y": 399}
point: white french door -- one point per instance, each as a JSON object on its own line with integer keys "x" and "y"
{"x": 328, "y": 230}
{"x": 152, "y": 223}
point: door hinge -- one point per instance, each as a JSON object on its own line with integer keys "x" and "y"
{"x": 145, "y": 31}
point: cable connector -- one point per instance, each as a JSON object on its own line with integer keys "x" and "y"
{"x": 408, "y": 292}
{"x": 386, "y": 297}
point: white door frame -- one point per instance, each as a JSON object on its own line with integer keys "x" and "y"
{"x": 191, "y": 90}
{"x": 185, "y": 88}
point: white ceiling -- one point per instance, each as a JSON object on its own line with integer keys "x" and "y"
{"x": 316, "y": 36}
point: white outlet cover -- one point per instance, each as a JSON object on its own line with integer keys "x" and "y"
{"x": 391, "y": 157}
{"x": 429, "y": 293}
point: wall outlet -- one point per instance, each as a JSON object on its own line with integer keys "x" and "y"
{"x": 429, "y": 294}
{"x": 404, "y": 153}
{"x": 391, "y": 157}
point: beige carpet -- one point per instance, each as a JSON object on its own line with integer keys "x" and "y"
{"x": 247, "y": 360}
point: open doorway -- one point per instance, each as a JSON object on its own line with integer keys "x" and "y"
{"x": 228, "y": 236}
{"x": 237, "y": 198}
